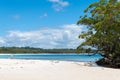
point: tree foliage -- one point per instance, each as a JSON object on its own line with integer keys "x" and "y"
{"x": 102, "y": 19}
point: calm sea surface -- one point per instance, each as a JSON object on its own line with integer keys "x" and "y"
{"x": 45, "y": 56}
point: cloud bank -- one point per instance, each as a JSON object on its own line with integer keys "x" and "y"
{"x": 65, "y": 36}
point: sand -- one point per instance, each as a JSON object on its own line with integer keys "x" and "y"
{"x": 12, "y": 69}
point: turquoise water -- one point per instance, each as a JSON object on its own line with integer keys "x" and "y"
{"x": 62, "y": 57}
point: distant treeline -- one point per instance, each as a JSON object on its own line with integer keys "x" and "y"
{"x": 34, "y": 50}
{"x": 39, "y": 50}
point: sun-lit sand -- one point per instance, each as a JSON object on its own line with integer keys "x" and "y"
{"x": 11, "y": 69}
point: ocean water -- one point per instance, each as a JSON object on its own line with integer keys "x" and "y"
{"x": 62, "y": 57}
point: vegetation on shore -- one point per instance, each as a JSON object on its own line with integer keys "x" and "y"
{"x": 102, "y": 19}
{"x": 34, "y": 50}
{"x": 41, "y": 50}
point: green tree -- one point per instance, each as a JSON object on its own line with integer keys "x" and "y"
{"x": 102, "y": 19}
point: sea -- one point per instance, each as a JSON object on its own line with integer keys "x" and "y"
{"x": 82, "y": 57}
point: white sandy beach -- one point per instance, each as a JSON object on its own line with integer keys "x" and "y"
{"x": 11, "y": 69}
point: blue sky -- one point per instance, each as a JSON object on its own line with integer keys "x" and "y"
{"x": 23, "y": 20}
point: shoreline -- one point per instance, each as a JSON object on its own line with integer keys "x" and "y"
{"x": 15, "y": 69}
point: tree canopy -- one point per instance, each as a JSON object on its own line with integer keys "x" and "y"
{"x": 102, "y": 19}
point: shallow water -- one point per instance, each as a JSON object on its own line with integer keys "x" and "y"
{"x": 62, "y": 57}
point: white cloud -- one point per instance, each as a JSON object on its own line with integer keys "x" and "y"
{"x": 44, "y": 15}
{"x": 63, "y": 37}
{"x": 54, "y": 0}
{"x": 58, "y": 5}
{"x": 2, "y": 41}
{"x": 16, "y": 17}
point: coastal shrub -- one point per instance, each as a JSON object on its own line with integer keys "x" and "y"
{"x": 102, "y": 20}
